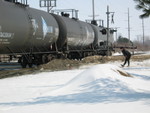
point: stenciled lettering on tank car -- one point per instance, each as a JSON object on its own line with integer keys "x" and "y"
{"x": 4, "y": 37}
{"x": 5, "y": 34}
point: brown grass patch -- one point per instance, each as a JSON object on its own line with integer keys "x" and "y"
{"x": 124, "y": 74}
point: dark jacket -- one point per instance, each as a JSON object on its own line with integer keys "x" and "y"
{"x": 126, "y": 53}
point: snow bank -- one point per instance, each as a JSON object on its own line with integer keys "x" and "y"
{"x": 100, "y": 88}
{"x": 100, "y": 83}
{"x": 98, "y": 76}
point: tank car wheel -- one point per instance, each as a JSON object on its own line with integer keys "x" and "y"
{"x": 30, "y": 65}
{"x": 23, "y": 62}
{"x": 24, "y": 65}
{"x": 50, "y": 57}
{"x": 44, "y": 59}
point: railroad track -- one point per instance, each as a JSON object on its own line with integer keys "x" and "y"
{"x": 9, "y": 66}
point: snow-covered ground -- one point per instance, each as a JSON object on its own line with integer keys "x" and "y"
{"x": 96, "y": 88}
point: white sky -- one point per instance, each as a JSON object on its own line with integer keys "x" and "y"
{"x": 120, "y": 7}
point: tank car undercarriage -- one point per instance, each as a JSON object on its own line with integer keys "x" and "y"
{"x": 43, "y": 58}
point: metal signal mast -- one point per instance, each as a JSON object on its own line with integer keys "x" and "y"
{"x": 48, "y": 3}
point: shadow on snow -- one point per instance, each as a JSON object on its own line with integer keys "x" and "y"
{"x": 98, "y": 91}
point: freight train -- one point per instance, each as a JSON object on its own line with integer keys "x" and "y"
{"x": 37, "y": 36}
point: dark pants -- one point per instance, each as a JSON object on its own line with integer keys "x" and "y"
{"x": 127, "y": 59}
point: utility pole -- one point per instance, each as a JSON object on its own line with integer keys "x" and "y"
{"x": 143, "y": 31}
{"x": 116, "y": 28}
{"x": 107, "y": 28}
{"x": 129, "y": 24}
{"x": 108, "y": 31}
{"x": 93, "y": 8}
{"x": 93, "y": 21}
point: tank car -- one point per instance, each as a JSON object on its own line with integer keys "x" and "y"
{"x": 77, "y": 36}
{"x": 26, "y": 31}
{"x": 38, "y": 36}
{"x": 101, "y": 40}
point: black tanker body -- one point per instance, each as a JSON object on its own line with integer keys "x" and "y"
{"x": 74, "y": 35}
{"x": 78, "y": 34}
{"x": 23, "y": 28}
{"x": 37, "y": 36}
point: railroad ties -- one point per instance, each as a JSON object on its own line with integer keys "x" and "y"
{"x": 9, "y": 66}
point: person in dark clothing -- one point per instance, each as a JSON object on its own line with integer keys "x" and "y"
{"x": 127, "y": 56}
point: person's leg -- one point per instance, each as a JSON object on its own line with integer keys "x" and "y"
{"x": 128, "y": 61}
{"x": 125, "y": 62}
